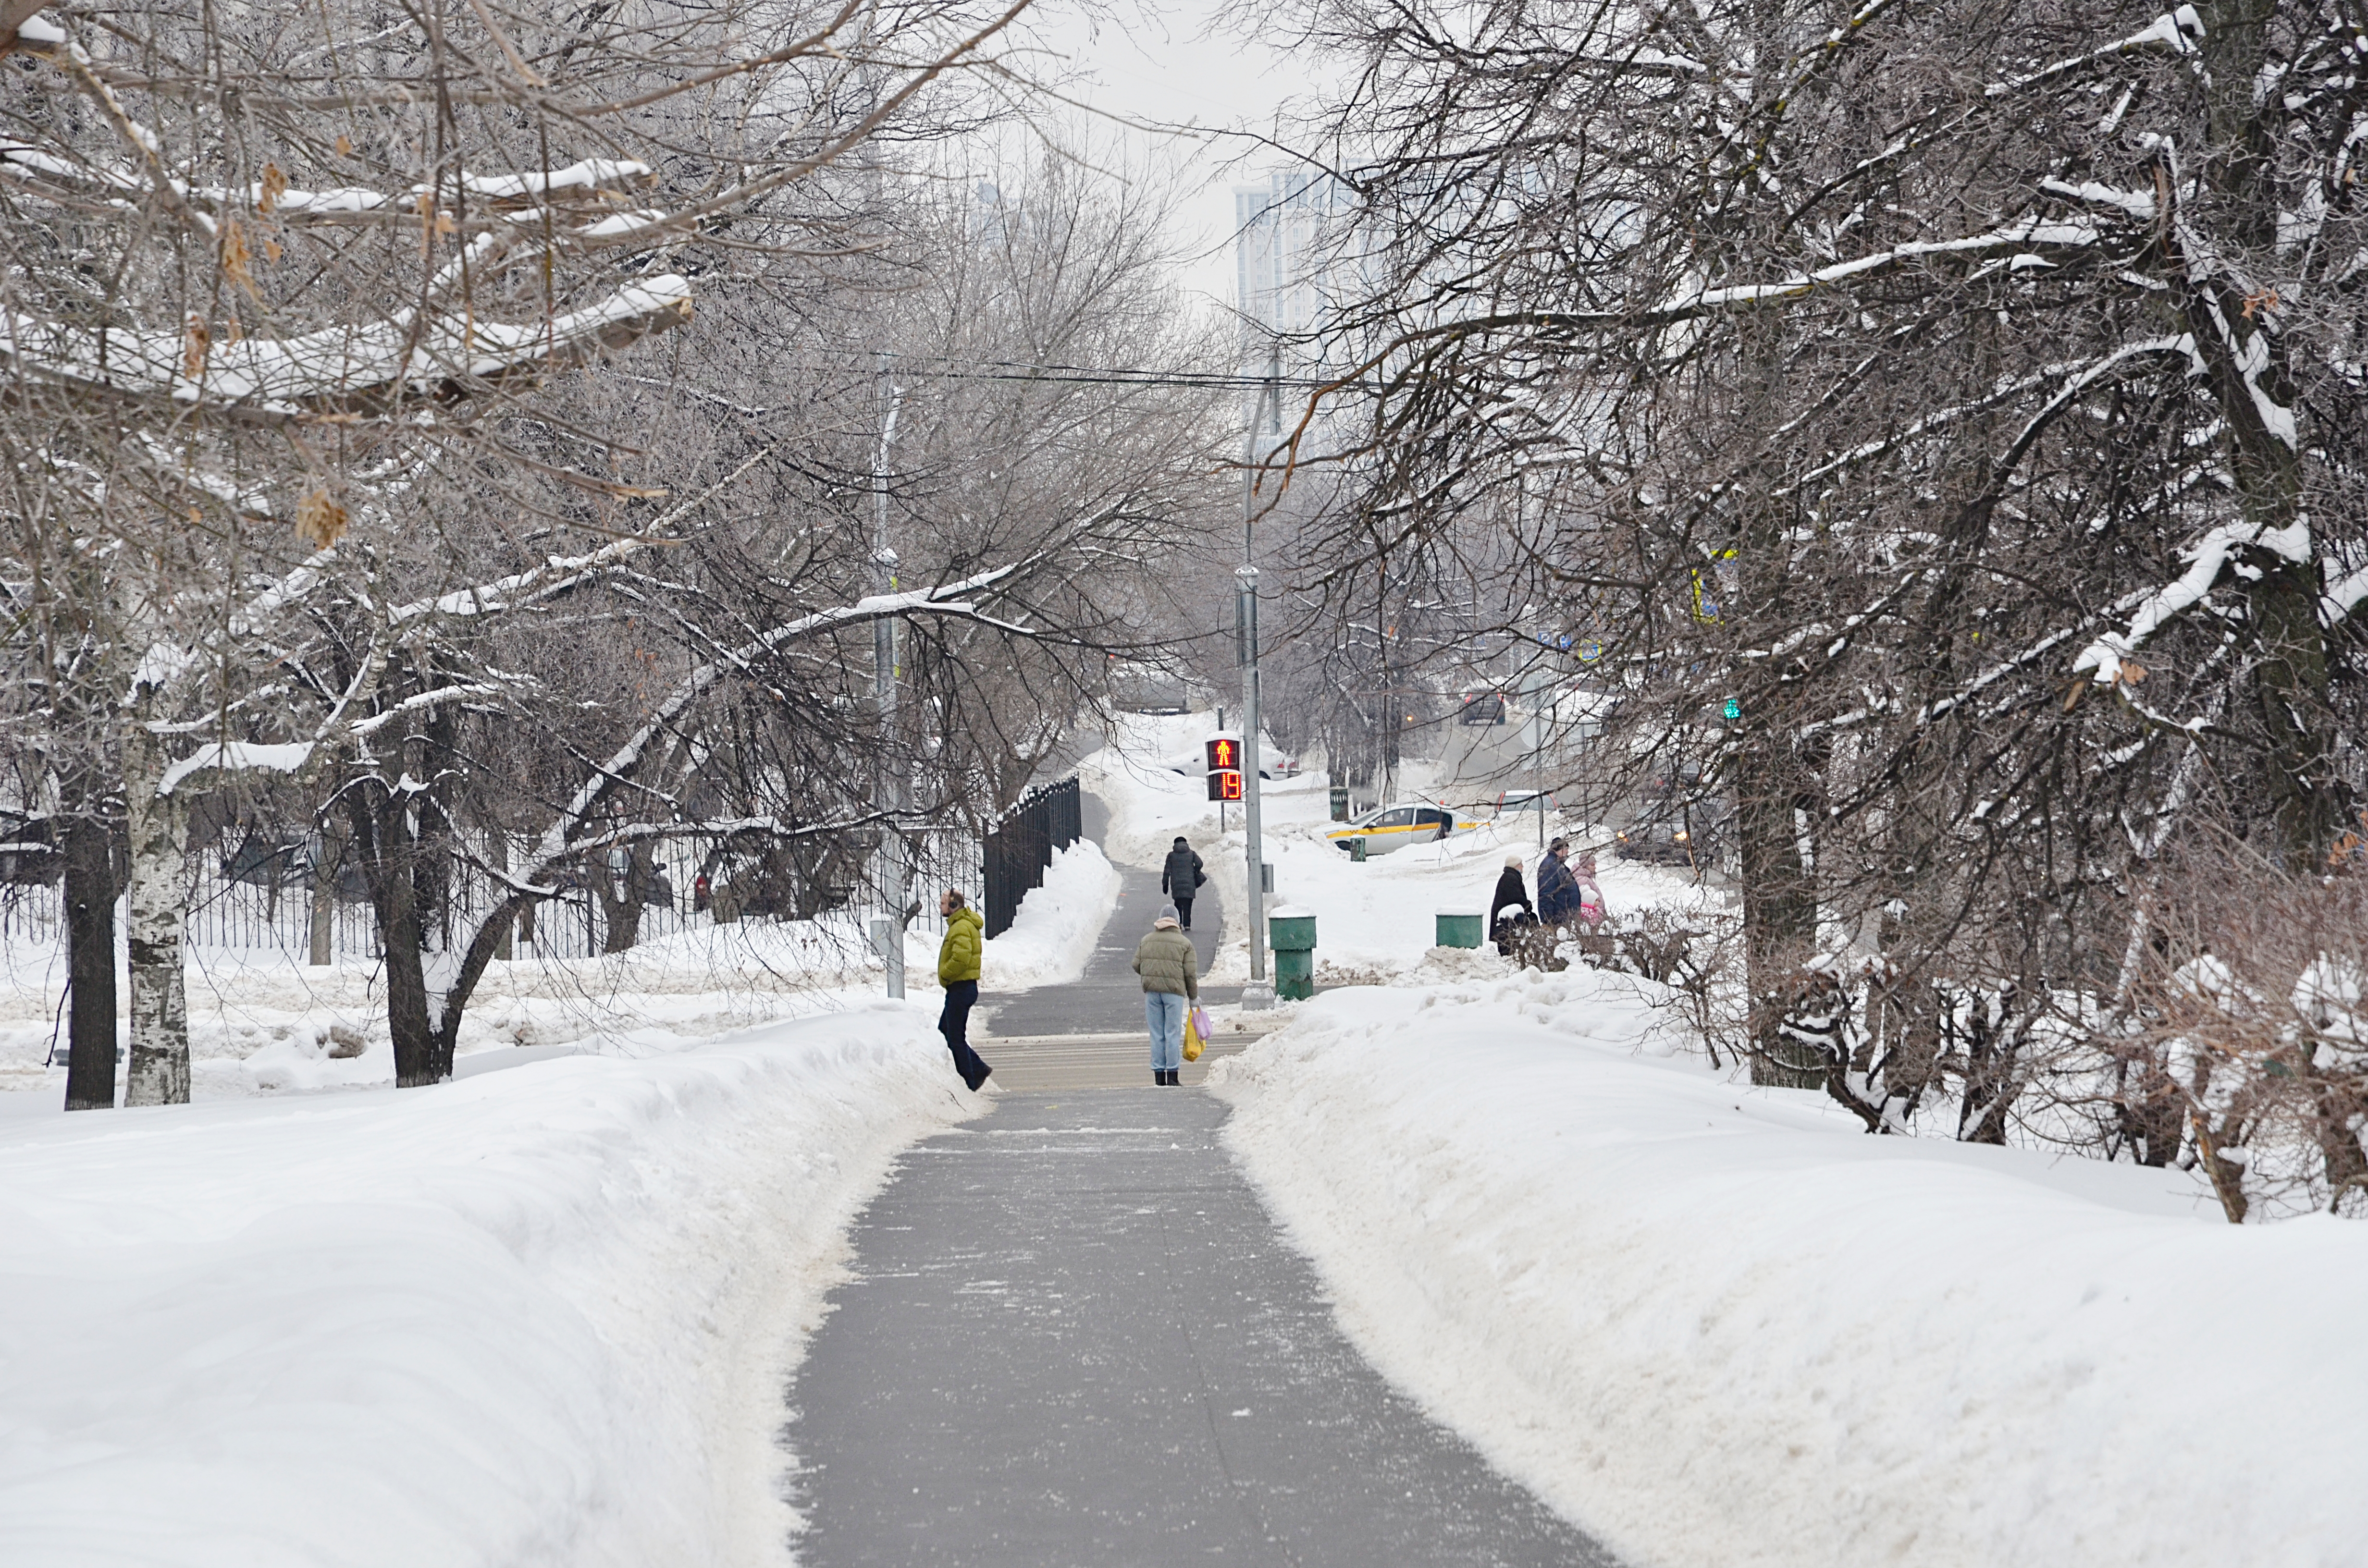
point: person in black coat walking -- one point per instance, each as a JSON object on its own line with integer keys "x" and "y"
{"x": 1180, "y": 879}
{"x": 1509, "y": 907}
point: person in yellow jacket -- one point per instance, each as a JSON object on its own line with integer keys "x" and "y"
{"x": 957, "y": 959}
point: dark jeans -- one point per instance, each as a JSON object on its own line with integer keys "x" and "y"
{"x": 1184, "y": 910}
{"x": 953, "y": 1022}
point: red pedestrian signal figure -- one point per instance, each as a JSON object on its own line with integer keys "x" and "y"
{"x": 1225, "y": 785}
{"x": 1225, "y": 757}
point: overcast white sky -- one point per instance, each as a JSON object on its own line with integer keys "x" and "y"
{"x": 1160, "y": 61}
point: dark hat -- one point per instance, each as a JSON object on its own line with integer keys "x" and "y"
{"x": 1181, "y": 841}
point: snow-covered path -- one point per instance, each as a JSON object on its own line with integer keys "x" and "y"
{"x": 1075, "y": 1337}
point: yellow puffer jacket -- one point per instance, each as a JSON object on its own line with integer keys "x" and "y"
{"x": 957, "y": 955}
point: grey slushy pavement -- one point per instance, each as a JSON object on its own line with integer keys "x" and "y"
{"x": 1074, "y": 1339}
{"x": 1110, "y": 994}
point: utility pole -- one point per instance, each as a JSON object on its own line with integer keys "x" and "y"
{"x": 888, "y": 932}
{"x": 1259, "y": 992}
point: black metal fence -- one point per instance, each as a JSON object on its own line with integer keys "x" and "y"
{"x": 1046, "y": 818}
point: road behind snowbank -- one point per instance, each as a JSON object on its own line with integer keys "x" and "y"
{"x": 540, "y": 1316}
{"x": 1719, "y": 1326}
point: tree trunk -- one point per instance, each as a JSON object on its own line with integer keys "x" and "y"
{"x": 2148, "y": 1110}
{"x": 1993, "y": 1063}
{"x": 88, "y": 852}
{"x": 158, "y": 1072}
{"x": 324, "y": 914}
{"x": 383, "y": 835}
{"x": 497, "y": 847}
{"x": 2241, "y": 340}
{"x": 1779, "y": 919}
{"x": 620, "y": 893}
{"x": 2227, "y": 1175}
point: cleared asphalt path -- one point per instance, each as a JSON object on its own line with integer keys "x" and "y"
{"x": 1109, "y": 997}
{"x": 1075, "y": 1340}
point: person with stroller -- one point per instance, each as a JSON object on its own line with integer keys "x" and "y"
{"x": 1510, "y": 910}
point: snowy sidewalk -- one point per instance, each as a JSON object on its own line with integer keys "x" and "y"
{"x": 1076, "y": 1339}
{"x": 1722, "y": 1328}
{"x": 536, "y": 1318}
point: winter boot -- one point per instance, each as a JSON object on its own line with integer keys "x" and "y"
{"x": 1160, "y": 1077}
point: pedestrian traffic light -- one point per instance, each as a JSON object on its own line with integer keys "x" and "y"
{"x": 1225, "y": 784}
{"x": 1225, "y": 756}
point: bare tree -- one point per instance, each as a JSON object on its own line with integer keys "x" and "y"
{"x": 1878, "y": 385}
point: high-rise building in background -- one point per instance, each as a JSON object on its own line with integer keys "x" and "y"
{"x": 1285, "y": 232}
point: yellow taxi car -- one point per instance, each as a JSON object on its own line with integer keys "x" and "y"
{"x": 1385, "y": 828}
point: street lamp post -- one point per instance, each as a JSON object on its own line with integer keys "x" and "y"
{"x": 892, "y": 841}
{"x": 888, "y": 929}
{"x": 1258, "y": 993}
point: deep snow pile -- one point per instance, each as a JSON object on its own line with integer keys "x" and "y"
{"x": 1052, "y": 935}
{"x": 1719, "y": 1326}
{"x": 534, "y": 1316}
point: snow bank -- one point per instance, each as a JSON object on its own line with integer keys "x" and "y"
{"x": 1718, "y": 1327}
{"x": 1053, "y": 935}
{"x": 541, "y": 1315}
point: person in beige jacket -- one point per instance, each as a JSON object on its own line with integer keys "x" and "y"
{"x": 1171, "y": 982}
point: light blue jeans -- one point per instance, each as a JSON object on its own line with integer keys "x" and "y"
{"x": 1163, "y": 1012}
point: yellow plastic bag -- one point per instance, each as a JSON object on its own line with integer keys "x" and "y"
{"x": 1192, "y": 1034}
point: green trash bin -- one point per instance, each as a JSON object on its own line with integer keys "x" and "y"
{"x": 1339, "y": 803}
{"x": 1291, "y": 932}
{"x": 1459, "y": 927}
{"x": 1357, "y": 849}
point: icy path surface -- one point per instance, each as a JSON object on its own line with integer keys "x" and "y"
{"x": 1074, "y": 1339}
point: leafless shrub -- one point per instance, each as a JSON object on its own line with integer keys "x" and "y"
{"x": 1693, "y": 957}
{"x": 2245, "y": 1021}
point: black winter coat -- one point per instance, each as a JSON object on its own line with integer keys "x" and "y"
{"x": 1181, "y": 877}
{"x": 1509, "y": 891}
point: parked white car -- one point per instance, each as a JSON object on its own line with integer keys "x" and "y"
{"x": 1385, "y": 828}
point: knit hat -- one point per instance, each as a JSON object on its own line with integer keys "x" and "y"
{"x": 1182, "y": 843}
{"x": 1167, "y": 917}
